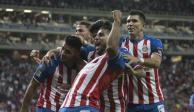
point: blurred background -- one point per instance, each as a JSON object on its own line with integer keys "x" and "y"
{"x": 42, "y": 24}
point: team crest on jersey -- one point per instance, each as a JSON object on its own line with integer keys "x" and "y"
{"x": 145, "y": 49}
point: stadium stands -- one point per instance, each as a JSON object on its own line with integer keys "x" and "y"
{"x": 20, "y": 32}
{"x": 175, "y": 7}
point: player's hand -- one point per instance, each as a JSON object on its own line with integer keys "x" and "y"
{"x": 35, "y": 54}
{"x": 48, "y": 57}
{"x": 63, "y": 88}
{"x": 117, "y": 15}
{"x": 131, "y": 59}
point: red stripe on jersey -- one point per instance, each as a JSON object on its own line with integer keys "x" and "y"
{"x": 121, "y": 94}
{"x": 48, "y": 91}
{"x": 145, "y": 54}
{"x": 93, "y": 80}
{"x": 40, "y": 101}
{"x": 147, "y": 78}
{"x": 102, "y": 103}
{"x": 140, "y": 91}
{"x": 159, "y": 93}
{"x": 60, "y": 81}
{"x": 127, "y": 44}
{"x": 135, "y": 50}
{"x": 130, "y": 88}
{"x": 140, "y": 85}
{"x": 110, "y": 97}
{"x": 148, "y": 83}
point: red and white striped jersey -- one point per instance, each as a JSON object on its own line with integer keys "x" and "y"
{"x": 95, "y": 77}
{"x": 144, "y": 90}
{"x": 113, "y": 99}
{"x": 54, "y": 85}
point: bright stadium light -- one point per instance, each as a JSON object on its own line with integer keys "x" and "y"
{"x": 27, "y": 11}
{"x": 44, "y": 12}
{"x": 9, "y": 10}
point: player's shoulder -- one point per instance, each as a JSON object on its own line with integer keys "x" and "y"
{"x": 152, "y": 39}
{"x": 88, "y": 47}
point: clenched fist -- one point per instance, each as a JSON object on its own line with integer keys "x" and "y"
{"x": 117, "y": 14}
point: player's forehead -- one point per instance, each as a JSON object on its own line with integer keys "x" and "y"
{"x": 67, "y": 47}
{"x": 81, "y": 27}
{"x": 101, "y": 30}
{"x": 133, "y": 17}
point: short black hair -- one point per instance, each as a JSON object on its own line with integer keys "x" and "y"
{"x": 73, "y": 41}
{"x": 102, "y": 23}
{"x": 139, "y": 13}
{"x": 83, "y": 22}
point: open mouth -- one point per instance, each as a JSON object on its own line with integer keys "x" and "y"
{"x": 130, "y": 29}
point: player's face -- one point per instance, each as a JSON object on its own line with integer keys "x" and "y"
{"x": 134, "y": 25}
{"x": 83, "y": 31}
{"x": 68, "y": 54}
{"x": 100, "y": 40}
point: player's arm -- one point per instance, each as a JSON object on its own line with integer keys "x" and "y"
{"x": 31, "y": 89}
{"x": 153, "y": 62}
{"x": 113, "y": 38}
{"x": 42, "y": 73}
{"x": 137, "y": 70}
{"x": 53, "y": 53}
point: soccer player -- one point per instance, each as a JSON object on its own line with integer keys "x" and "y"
{"x": 55, "y": 78}
{"x": 97, "y": 75}
{"x": 82, "y": 29}
{"x": 83, "y": 32}
{"x": 144, "y": 93}
{"x": 113, "y": 99}
{"x": 100, "y": 29}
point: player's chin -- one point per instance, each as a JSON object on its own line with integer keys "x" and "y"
{"x": 63, "y": 58}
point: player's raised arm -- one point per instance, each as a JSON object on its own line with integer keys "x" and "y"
{"x": 113, "y": 38}
{"x": 31, "y": 89}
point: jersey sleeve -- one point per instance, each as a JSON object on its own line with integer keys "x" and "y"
{"x": 121, "y": 40}
{"x": 118, "y": 61}
{"x": 156, "y": 46}
{"x": 43, "y": 71}
{"x": 85, "y": 49}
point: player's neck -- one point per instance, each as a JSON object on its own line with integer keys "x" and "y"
{"x": 139, "y": 36}
{"x": 79, "y": 64}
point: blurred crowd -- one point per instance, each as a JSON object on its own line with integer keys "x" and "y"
{"x": 15, "y": 74}
{"x": 176, "y": 78}
{"x": 180, "y": 7}
{"x": 59, "y": 23}
{"x": 17, "y": 40}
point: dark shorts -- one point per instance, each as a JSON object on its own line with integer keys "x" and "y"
{"x": 79, "y": 109}
{"x": 154, "y": 107}
{"x": 41, "y": 109}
